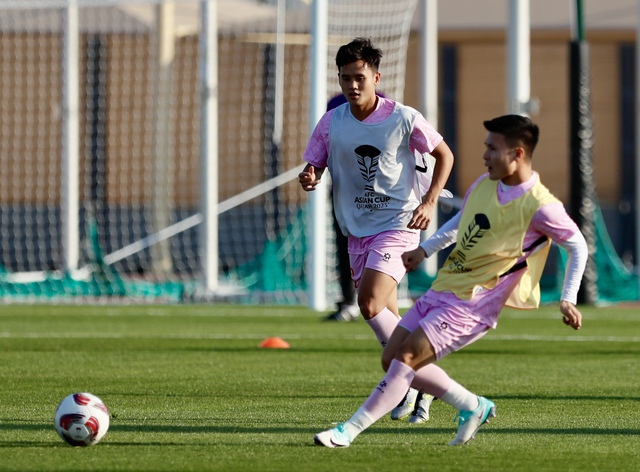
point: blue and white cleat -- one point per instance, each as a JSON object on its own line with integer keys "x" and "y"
{"x": 334, "y": 437}
{"x": 469, "y": 422}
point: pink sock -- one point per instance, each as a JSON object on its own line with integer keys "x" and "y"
{"x": 386, "y": 396}
{"x": 433, "y": 380}
{"x": 383, "y": 325}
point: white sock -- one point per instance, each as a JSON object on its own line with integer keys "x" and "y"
{"x": 460, "y": 398}
{"x": 383, "y": 325}
{"x": 383, "y": 398}
{"x": 360, "y": 421}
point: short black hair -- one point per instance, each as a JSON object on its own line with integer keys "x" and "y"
{"x": 360, "y": 49}
{"x": 518, "y": 130}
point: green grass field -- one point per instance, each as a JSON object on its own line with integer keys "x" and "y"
{"x": 189, "y": 389}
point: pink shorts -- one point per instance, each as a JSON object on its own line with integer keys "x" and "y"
{"x": 449, "y": 328}
{"x": 381, "y": 252}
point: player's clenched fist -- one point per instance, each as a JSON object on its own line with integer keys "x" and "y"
{"x": 412, "y": 258}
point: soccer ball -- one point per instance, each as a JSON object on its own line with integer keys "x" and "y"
{"x": 81, "y": 419}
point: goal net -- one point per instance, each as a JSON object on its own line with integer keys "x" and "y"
{"x": 102, "y": 138}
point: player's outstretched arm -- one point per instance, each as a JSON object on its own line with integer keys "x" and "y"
{"x": 310, "y": 177}
{"x": 571, "y": 316}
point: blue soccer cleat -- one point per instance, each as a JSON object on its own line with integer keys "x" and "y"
{"x": 334, "y": 437}
{"x": 469, "y": 422}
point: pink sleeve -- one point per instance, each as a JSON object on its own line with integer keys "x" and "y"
{"x": 424, "y": 137}
{"x": 317, "y": 150}
{"x": 553, "y": 221}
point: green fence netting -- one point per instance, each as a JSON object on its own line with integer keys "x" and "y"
{"x": 277, "y": 275}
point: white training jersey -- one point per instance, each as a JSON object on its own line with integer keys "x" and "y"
{"x": 373, "y": 171}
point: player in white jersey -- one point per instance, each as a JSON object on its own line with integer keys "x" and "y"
{"x": 502, "y": 237}
{"x": 368, "y": 145}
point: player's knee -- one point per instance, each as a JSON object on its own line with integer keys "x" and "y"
{"x": 369, "y": 307}
{"x": 406, "y": 355}
{"x": 386, "y": 360}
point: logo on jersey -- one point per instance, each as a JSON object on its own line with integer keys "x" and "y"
{"x": 476, "y": 230}
{"x": 368, "y": 157}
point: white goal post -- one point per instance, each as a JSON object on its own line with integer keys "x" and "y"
{"x": 150, "y": 148}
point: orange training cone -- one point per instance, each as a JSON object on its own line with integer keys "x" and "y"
{"x": 275, "y": 343}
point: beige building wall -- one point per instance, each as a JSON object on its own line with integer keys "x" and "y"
{"x": 31, "y": 167}
{"x": 482, "y": 94}
{"x": 30, "y": 133}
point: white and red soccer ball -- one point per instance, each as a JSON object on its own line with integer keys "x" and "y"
{"x": 82, "y": 419}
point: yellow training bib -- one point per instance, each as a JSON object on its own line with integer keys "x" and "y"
{"x": 489, "y": 243}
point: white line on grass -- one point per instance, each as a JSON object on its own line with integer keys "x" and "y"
{"x": 604, "y": 313}
{"x": 172, "y": 336}
{"x": 214, "y": 336}
{"x": 527, "y": 337}
{"x": 216, "y": 312}
{"x": 541, "y": 315}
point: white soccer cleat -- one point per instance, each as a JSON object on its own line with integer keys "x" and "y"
{"x": 421, "y": 412}
{"x": 345, "y": 313}
{"x": 470, "y": 421}
{"x": 334, "y": 437}
{"x": 406, "y": 406}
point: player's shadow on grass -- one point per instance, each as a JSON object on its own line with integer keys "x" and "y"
{"x": 488, "y": 431}
{"x": 606, "y": 398}
{"x": 525, "y": 351}
{"x": 111, "y": 440}
{"x": 231, "y": 429}
{"x": 14, "y": 424}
